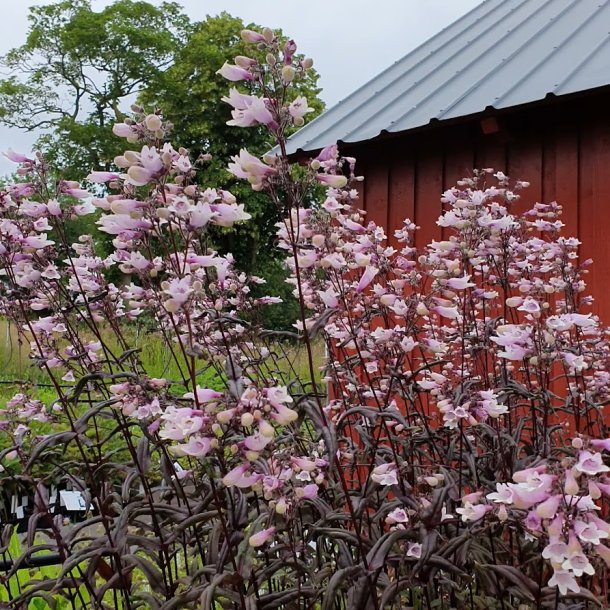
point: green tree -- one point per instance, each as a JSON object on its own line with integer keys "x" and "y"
{"x": 188, "y": 93}
{"x": 77, "y": 66}
{"x": 78, "y": 69}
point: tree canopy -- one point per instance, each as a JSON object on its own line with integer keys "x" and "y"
{"x": 77, "y": 66}
{"x": 79, "y": 70}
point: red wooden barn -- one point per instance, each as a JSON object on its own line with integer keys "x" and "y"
{"x": 522, "y": 86}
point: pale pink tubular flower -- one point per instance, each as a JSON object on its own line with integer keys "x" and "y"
{"x": 261, "y": 537}
{"x": 138, "y": 176}
{"x": 226, "y": 215}
{"x": 252, "y": 36}
{"x": 590, "y": 463}
{"x": 16, "y": 157}
{"x": 333, "y": 180}
{"x": 385, "y": 474}
{"x": 472, "y": 512}
{"x": 197, "y": 446}
{"x": 299, "y": 108}
{"x": 367, "y": 277}
{"x": 238, "y": 477}
{"x": 564, "y": 581}
{"x": 239, "y": 101}
{"x": 601, "y": 443}
{"x": 122, "y": 130}
{"x": 203, "y": 395}
{"x": 101, "y": 177}
{"x": 234, "y": 73}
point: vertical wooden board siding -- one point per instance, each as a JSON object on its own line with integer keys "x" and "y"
{"x": 490, "y": 152}
{"x": 401, "y": 194}
{"x": 376, "y": 192}
{"x": 428, "y": 190}
{"x": 593, "y": 214}
{"x": 525, "y": 163}
{"x": 549, "y": 166}
{"x": 361, "y": 170}
{"x": 566, "y": 178}
{"x": 459, "y": 162}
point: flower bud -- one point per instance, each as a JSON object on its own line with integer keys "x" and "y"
{"x": 270, "y": 59}
{"x": 244, "y": 62}
{"x": 421, "y": 309}
{"x": 307, "y": 63}
{"x": 247, "y": 419}
{"x": 268, "y": 34}
{"x": 153, "y": 122}
{"x": 288, "y": 74}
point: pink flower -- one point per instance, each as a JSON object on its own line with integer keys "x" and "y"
{"x": 203, "y": 395}
{"x": 234, "y": 73}
{"x": 414, "y": 550}
{"x": 590, "y": 463}
{"x": 197, "y": 446}
{"x": 564, "y": 581}
{"x": 261, "y": 537}
{"x": 548, "y": 508}
{"x": 460, "y": 283}
{"x": 255, "y": 112}
{"x": 589, "y": 532}
{"x": 398, "y": 515}
{"x": 309, "y": 492}
{"x": 601, "y": 444}
{"x": 238, "y": 478}
{"x": 15, "y": 157}
{"x": 249, "y": 167}
{"x": 385, "y": 474}
{"x": 503, "y": 495}
{"x": 122, "y": 130}
{"x": 335, "y": 181}
{"x": 576, "y": 561}
{"x": 472, "y": 512}
{"x": 367, "y": 277}
{"x": 299, "y": 108}
{"x": 180, "y": 423}
{"x": 227, "y": 215}
{"x": 101, "y": 177}
{"x": 138, "y": 176}
{"x": 251, "y": 36}
{"x": 447, "y": 312}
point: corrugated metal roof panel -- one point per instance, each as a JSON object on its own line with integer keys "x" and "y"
{"x": 503, "y": 53}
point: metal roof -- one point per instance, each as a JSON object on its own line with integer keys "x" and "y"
{"x": 503, "y": 53}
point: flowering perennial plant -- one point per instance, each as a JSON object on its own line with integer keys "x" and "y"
{"x": 450, "y": 451}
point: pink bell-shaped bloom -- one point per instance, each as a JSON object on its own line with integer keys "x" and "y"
{"x": 564, "y": 581}
{"x": 261, "y": 537}
{"x": 234, "y": 73}
{"x": 197, "y": 446}
{"x": 101, "y": 177}
{"x": 238, "y": 477}
{"x": 367, "y": 277}
{"x": 251, "y": 36}
{"x": 590, "y": 463}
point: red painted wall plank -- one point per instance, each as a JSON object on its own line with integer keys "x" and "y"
{"x": 594, "y": 213}
{"x": 428, "y": 190}
{"x": 401, "y": 194}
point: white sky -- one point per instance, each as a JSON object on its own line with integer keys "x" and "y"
{"x": 350, "y": 40}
